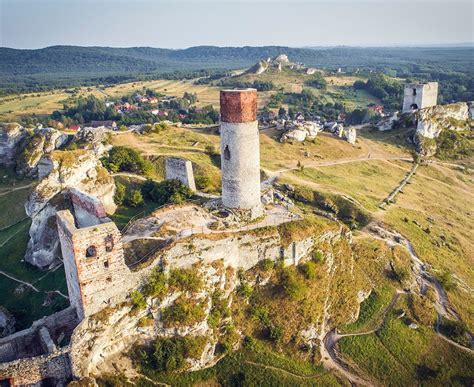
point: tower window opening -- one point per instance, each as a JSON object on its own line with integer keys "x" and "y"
{"x": 414, "y": 91}
{"x": 91, "y": 252}
{"x": 106, "y": 264}
{"x": 226, "y": 153}
{"x": 109, "y": 243}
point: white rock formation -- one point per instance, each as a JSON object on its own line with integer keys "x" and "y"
{"x": 10, "y": 136}
{"x": 387, "y": 122}
{"x": 432, "y": 120}
{"x": 351, "y": 135}
{"x": 297, "y": 134}
{"x": 80, "y": 169}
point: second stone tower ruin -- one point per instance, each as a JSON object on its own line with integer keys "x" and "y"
{"x": 240, "y": 151}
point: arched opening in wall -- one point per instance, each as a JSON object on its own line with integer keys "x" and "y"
{"x": 414, "y": 106}
{"x": 91, "y": 252}
{"x": 226, "y": 153}
{"x": 109, "y": 243}
{"x": 414, "y": 92}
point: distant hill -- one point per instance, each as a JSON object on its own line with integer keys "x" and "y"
{"x": 61, "y": 66}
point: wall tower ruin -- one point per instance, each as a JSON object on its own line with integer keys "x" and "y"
{"x": 419, "y": 95}
{"x": 240, "y": 151}
{"x": 93, "y": 255}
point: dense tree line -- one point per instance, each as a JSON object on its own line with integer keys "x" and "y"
{"x": 389, "y": 91}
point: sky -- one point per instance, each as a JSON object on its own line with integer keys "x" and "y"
{"x": 186, "y": 23}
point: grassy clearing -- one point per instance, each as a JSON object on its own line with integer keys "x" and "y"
{"x": 369, "y": 182}
{"x": 255, "y": 364}
{"x": 371, "y": 310}
{"x": 435, "y": 213}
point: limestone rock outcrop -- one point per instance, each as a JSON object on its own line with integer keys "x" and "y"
{"x": 300, "y": 131}
{"x": 351, "y": 135}
{"x": 80, "y": 169}
{"x": 432, "y": 120}
{"x": 11, "y": 134}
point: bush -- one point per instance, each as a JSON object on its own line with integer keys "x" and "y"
{"x": 183, "y": 312}
{"x": 275, "y": 333}
{"x": 156, "y": 285}
{"x": 219, "y": 310}
{"x": 170, "y": 353}
{"x": 317, "y": 256}
{"x": 267, "y": 264}
{"x": 309, "y": 270}
{"x": 138, "y": 300}
{"x": 134, "y": 198}
{"x": 186, "y": 280}
{"x": 245, "y": 290}
{"x": 124, "y": 159}
{"x": 203, "y": 182}
{"x": 119, "y": 196}
{"x": 167, "y": 191}
{"x": 292, "y": 285}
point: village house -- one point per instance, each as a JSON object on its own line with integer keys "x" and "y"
{"x": 106, "y": 124}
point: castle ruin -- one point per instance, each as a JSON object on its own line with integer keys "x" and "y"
{"x": 180, "y": 169}
{"x": 91, "y": 246}
{"x": 240, "y": 151}
{"x": 419, "y": 95}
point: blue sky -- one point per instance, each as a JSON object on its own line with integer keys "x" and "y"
{"x": 179, "y": 23}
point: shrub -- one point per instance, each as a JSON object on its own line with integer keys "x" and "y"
{"x": 126, "y": 159}
{"x": 317, "y": 256}
{"x": 183, "y": 312}
{"x": 219, "y": 310}
{"x": 169, "y": 354}
{"x": 309, "y": 270}
{"x": 156, "y": 285}
{"x": 292, "y": 285}
{"x": 134, "y": 198}
{"x": 245, "y": 290}
{"x": 186, "y": 280}
{"x": 166, "y": 191}
{"x": 267, "y": 264}
{"x": 138, "y": 300}
{"x": 119, "y": 196}
{"x": 203, "y": 182}
{"x": 275, "y": 333}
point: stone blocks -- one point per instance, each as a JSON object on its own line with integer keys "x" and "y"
{"x": 180, "y": 169}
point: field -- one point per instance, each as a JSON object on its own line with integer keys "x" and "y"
{"x": 27, "y": 292}
{"x": 13, "y": 107}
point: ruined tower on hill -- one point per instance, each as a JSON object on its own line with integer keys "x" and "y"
{"x": 419, "y": 96}
{"x": 93, "y": 255}
{"x": 240, "y": 151}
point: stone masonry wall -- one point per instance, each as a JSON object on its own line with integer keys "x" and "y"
{"x": 94, "y": 264}
{"x": 240, "y": 151}
{"x": 419, "y": 96}
{"x": 180, "y": 169}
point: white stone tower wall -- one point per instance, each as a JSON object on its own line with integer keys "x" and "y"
{"x": 421, "y": 95}
{"x": 240, "y": 151}
{"x": 240, "y": 154}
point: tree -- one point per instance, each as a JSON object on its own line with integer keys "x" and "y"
{"x": 119, "y": 196}
{"x": 134, "y": 198}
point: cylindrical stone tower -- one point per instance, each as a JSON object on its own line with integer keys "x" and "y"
{"x": 240, "y": 151}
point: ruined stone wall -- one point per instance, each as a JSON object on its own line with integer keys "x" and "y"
{"x": 88, "y": 210}
{"x": 240, "y": 150}
{"x": 94, "y": 264}
{"x": 54, "y": 369}
{"x": 419, "y": 96}
{"x": 180, "y": 169}
{"x": 29, "y": 343}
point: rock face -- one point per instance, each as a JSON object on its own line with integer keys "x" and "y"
{"x": 300, "y": 131}
{"x": 387, "y": 122}
{"x": 432, "y": 120}
{"x": 351, "y": 135}
{"x": 10, "y": 136}
{"x": 80, "y": 169}
{"x": 24, "y": 149}
{"x": 7, "y": 323}
{"x": 32, "y": 148}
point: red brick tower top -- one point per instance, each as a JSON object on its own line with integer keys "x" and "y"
{"x": 238, "y": 105}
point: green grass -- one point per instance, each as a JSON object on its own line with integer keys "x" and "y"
{"x": 371, "y": 310}
{"x": 237, "y": 369}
